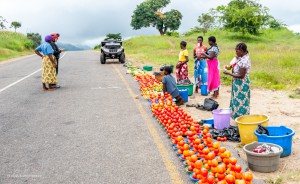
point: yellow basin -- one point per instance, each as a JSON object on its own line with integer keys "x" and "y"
{"x": 247, "y": 124}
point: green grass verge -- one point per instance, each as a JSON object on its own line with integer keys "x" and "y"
{"x": 14, "y": 45}
{"x": 274, "y": 54}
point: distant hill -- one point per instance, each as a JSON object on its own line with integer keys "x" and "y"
{"x": 71, "y": 47}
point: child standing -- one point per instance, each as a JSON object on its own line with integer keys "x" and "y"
{"x": 169, "y": 85}
{"x": 181, "y": 66}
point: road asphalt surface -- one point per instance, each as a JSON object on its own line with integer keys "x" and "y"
{"x": 91, "y": 130}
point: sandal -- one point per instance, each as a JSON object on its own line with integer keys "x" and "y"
{"x": 56, "y": 86}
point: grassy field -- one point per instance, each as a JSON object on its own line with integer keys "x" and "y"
{"x": 274, "y": 54}
{"x": 13, "y": 45}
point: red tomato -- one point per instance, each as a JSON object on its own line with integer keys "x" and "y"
{"x": 248, "y": 176}
{"x": 229, "y": 179}
{"x": 237, "y": 168}
{"x": 233, "y": 160}
{"x": 210, "y": 179}
{"x": 204, "y": 172}
{"x": 221, "y": 176}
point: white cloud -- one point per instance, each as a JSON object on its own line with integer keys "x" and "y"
{"x": 295, "y": 28}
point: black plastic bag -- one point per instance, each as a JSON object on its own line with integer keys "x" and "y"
{"x": 210, "y": 104}
{"x": 232, "y": 133}
{"x": 262, "y": 130}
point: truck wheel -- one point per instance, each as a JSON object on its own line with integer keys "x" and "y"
{"x": 102, "y": 58}
{"x": 122, "y": 58}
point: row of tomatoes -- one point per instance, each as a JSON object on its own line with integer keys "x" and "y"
{"x": 206, "y": 161}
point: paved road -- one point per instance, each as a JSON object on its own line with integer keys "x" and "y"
{"x": 92, "y": 130}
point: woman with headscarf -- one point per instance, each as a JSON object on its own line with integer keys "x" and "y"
{"x": 213, "y": 81}
{"x": 56, "y": 53}
{"x": 240, "y": 92}
{"x": 57, "y": 50}
{"x": 49, "y": 63}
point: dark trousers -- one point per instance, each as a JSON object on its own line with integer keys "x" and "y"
{"x": 56, "y": 66}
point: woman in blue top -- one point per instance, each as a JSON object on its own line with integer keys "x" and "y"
{"x": 49, "y": 63}
{"x": 169, "y": 85}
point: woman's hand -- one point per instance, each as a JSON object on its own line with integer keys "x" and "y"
{"x": 178, "y": 65}
{"x": 226, "y": 72}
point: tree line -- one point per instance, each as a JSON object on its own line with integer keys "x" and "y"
{"x": 243, "y": 16}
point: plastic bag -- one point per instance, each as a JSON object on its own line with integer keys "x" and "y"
{"x": 262, "y": 130}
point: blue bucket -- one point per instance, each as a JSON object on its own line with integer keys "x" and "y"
{"x": 184, "y": 93}
{"x": 280, "y": 135}
{"x": 204, "y": 90}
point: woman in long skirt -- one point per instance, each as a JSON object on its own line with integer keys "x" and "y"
{"x": 181, "y": 66}
{"x": 212, "y": 53}
{"x": 240, "y": 93}
{"x": 49, "y": 63}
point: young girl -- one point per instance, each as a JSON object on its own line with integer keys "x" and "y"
{"x": 169, "y": 85}
{"x": 181, "y": 66}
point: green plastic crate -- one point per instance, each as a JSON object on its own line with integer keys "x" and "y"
{"x": 147, "y": 68}
{"x": 190, "y": 88}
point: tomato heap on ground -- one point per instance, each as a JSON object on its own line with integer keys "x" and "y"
{"x": 205, "y": 160}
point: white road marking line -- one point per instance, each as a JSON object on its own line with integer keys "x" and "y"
{"x": 14, "y": 83}
{"x": 113, "y": 87}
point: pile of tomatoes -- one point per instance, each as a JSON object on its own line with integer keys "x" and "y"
{"x": 148, "y": 85}
{"x": 206, "y": 161}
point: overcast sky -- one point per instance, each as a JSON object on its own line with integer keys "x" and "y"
{"x": 87, "y": 22}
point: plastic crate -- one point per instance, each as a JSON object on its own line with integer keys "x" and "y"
{"x": 147, "y": 68}
{"x": 280, "y": 135}
{"x": 190, "y": 88}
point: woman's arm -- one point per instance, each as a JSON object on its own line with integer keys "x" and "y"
{"x": 211, "y": 56}
{"x": 38, "y": 53}
{"x": 241, "y": 75}
{"x": 52, "y": 59}
{"x": 56, "y": 52}
{"x": 186, "y": 59}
